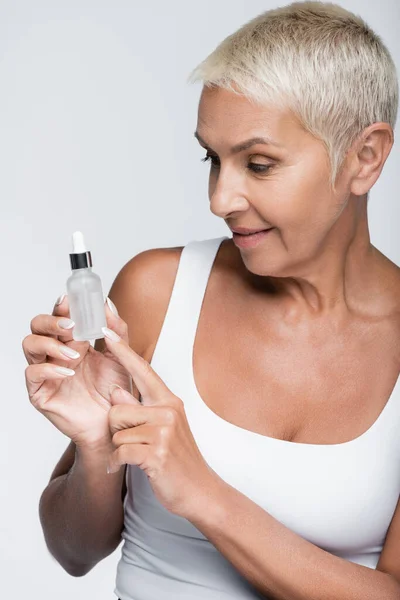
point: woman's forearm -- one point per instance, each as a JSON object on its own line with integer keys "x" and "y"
{"x": 81, "y": 512}
{"x": 277, "y": 561}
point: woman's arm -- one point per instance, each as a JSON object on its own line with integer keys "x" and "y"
{"x": 277, "y": 561}
{"x": 81, "y": 512}
{"x": 81, "y": 509}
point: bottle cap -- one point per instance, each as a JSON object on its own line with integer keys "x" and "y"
{"x": 80, "y": 258}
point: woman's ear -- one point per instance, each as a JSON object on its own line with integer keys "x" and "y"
{"x": 370, "y": 152}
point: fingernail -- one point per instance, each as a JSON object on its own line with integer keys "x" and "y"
{"x": 70, "y": 352}
{"x": 60, "y": 299}
{"x": 64, "y": 371}
{"x": 110, "y": 334}
{"x": 112, "y": 306}
{"x": 112, "y": 387}
{"x": 66, "y": 323}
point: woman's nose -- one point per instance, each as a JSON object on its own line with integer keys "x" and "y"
{"x": 226, "y": 198}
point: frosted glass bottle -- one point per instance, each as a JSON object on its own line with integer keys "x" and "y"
{"x": 85, "y": 294}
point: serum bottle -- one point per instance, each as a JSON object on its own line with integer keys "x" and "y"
{"x": 85, "y": 294}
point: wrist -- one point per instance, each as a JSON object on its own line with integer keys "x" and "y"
{"x": 94, "y": 457}
{"x": 101, "y": 446}
{"x": 207, "y": 505}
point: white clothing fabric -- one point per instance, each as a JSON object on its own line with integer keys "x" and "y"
{"x": 340, "y": 497}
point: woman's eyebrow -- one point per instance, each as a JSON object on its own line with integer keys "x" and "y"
{"x": 243, "y": 145}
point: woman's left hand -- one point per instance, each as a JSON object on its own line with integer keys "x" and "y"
{"x": 156, "y": 436}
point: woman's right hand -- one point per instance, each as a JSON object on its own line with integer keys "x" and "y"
{"x": 76, "y": 404}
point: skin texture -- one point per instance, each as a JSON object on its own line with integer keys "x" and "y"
{"x": 315, "y": 299}
{"x": 316, "y": 274}
{"x": 319, "y": 258}
{"x": 312, "y": 292}
{"x": 319, "y": 274}
{"x": 316, "y": 277}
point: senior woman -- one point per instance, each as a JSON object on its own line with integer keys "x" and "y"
{"x": 263, "y": 460}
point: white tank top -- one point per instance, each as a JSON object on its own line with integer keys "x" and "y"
{"x": 340, "y": 497}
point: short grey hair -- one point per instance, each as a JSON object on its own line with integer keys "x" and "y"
{"x": 322, "y": 62}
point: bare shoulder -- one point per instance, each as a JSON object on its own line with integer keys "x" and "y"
{"x": 390, "y": 299}
{"x": 141, "y": 293}
{"x": 388, "y": 275}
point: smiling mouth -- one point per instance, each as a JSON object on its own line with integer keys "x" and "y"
{"x": 254, "y": 232}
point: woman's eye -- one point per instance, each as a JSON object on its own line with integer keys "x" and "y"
{"x": 214, "y": 160}
{"x": 256, "y": 168}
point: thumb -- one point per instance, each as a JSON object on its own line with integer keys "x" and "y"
{"x": 120, "y": 396}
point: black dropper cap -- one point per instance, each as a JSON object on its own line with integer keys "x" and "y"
{"x": 80, "y": 258}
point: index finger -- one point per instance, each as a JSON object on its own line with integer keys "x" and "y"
{"x": 148, "y": 382}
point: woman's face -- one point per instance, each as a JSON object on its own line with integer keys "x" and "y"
{"x": 284, "y": 186}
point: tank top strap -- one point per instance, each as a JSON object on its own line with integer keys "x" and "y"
{"x": 172, "y": 356}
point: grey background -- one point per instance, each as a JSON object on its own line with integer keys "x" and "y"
{"x": 96, "y": 134}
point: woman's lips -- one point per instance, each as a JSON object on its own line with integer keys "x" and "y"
{"x": 252, "y": 240}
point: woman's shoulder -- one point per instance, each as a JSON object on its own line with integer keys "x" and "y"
{"x": 385, "y": 301}
{"x": 387, "y": 277}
